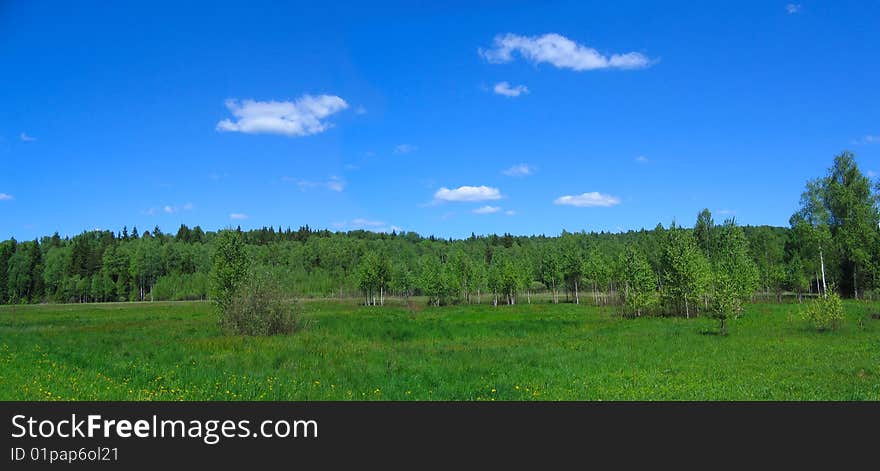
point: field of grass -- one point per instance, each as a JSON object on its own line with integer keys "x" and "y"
{"x": 175, "y": 351}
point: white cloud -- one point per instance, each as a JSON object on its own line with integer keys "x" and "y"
{"x": 520, "y": 170}
{"x": 588, "y": 200}
{"x": 870, "y": 139}
{"x": 793, "y": 8}
{"x": 487, "y": 210}
{"x": 510, "y": 212}
{"x": 170, "y": 209}
{"x": 559, "y": 51}
{"x": 642, "y": 159}
{"x": 25, "y": 138}
{"x": 302, "y": 117}
{"x": 238, "y": 216}
{"x": 405, "y": 149}
{"x": 726, "y": 212}
{"x": 6, "y": 197}
{"x": 360, "y": 110}
{"x": 504, "y": 88}
{"x": 467, "y": 194}
{"x": 334, "y": 183}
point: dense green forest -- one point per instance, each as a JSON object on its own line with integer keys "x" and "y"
{"x": 831, "y": 243}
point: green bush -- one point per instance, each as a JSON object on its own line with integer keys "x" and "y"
{"x": 825, "y": 313}
{"x": 259, "y": 307}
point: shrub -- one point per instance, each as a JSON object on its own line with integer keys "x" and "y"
{"x": 259, "y": 307}
{"x": 825, "y": 313}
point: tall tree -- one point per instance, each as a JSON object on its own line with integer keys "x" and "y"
{"x": 686, "y": 275}
{"x": 839, "y": 217}
{"x": 639, "y": 281}
{"x": 734, "y": 274}
{"x": 229, "y": 269}
{"x": 703, "y": 230}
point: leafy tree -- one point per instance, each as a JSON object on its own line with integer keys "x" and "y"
{"x": 403, "y": 280}
{"x": 433, "y": 280}
{"x": 854, "y": 220}
{"x": 734, "y": 274}
{"x": 703, "y": 230}
{"x": 463, "y": 269}
{"x": 373, "y": 277}
{"x": 552, "y": 274}
{"x": 573, "y": 266}
{"x": 639, "y": 281}
{"x": 229, "y": 269}
{"x": 839, "y": 217}
{"x": 687, "y": 273}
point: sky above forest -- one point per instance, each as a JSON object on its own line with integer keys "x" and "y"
{"x": 443, "y": 119}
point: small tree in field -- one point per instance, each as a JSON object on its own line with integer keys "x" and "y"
{"x": 229, "y": 269}
{"x": 734, "y": 274}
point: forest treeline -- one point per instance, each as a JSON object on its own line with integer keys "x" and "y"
{"x": 831, "y": 243}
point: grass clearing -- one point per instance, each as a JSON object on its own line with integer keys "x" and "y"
{"x": 175, "y": 351}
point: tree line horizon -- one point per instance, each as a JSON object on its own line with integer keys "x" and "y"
{"x": 832, "y": 243}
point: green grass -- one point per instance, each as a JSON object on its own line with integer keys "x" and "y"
{"x": 175, "y": 351}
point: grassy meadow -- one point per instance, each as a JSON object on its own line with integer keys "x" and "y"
{"x": 175, "y": 351}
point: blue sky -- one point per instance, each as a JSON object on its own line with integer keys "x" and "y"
{"x": 442, "y": 119}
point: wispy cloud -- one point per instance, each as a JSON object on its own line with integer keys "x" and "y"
{"x": 405, "y": 149}
{"x": 726, "y": 212}
{"x": 333, "y": 183}
{"x": 560, "y": 52}
{"x": 170, "y": 209}
{"x": 519, "y": 170}
{"x": 360, "y": 110}
{"x": 793, "y": 8}
{"x": 869, "y": 139}
{"x": 174, "y": 209}
{"x": 25, "y": 138}
{"x": 467, "y": 194}
{"x": 642, "y": 159}
{"x": 238, "y": 216}
{"x": 869, "y": 173}
{"x": 504, "y": 88}
{"x": 510, "y": 212}
{"x": 587, "y": 200}
{"x": 6, "y": 197}
{"x": 302, "y": 117}
{"x": 487, "y": 210}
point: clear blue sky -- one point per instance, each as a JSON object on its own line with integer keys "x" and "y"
{"x": 345, "y": 116}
